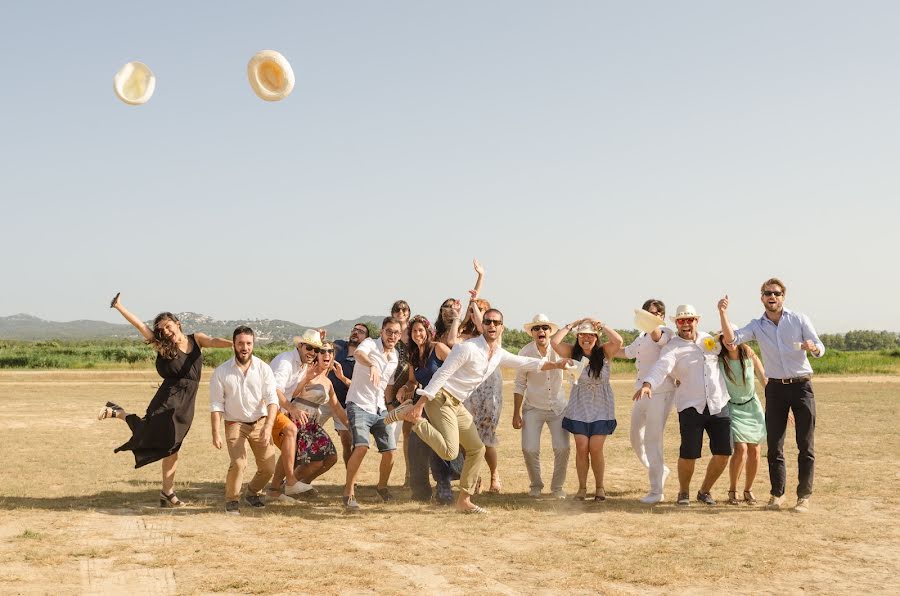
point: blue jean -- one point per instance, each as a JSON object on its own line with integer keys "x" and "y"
{"x": 363, "y": 423}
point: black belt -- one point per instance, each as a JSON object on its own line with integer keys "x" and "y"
{"x": 792, "y": 380}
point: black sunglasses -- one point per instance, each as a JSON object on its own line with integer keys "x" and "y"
{"x": 324, "y": 351}
{"x": 773, "y": 293}
{"x": 541, "y": 328}
{"x": 496, "y": 322}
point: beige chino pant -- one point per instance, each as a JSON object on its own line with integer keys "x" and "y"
{"x": 237, "y": 436}
{"x": 450, "y": 425}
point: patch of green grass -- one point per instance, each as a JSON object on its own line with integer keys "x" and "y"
{"x": 30, "y": 535}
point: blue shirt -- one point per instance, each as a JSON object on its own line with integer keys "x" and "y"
{"x": 347, "y": 363}
{"x": 776, "y": 342}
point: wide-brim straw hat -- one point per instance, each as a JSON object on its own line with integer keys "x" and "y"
{"x": 646, "y": 321}
{"x": 310, "y": 337}
{"x": 541, "y": 319}
{"x": 134, "y": 83}
{"x": 271, "y": 76}
{"x": 586, "y": 327}
{"x": 685, "y": 311}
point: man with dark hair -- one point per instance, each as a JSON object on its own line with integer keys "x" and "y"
{"x": 376, "y": 361}
{"x": 784, "y": 338}
{"x": 242, "y": 390}
{"x": 340, "y": 375}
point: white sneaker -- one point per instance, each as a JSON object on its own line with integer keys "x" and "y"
{"x": 559, "y": 494}
{"x": 652, "y": 498}
{"x": 775, "y": 503}
{"x": 298, "y": 488}
{"x": 281, "y": 498}
{"x": 802, "y": 505}
{"x": 534, "y": 493}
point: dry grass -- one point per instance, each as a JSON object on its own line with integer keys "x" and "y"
{"x": 77, "y": 518}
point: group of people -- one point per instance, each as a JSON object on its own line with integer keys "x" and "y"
{"x": 439, "y": 388}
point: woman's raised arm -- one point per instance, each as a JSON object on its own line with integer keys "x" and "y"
{"x": 145, "y": 331}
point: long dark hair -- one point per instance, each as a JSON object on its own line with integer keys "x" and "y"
{"x": 743, "y": 352}
{"x": 164, "y": 346}
{"x": 595, "y": 359}
{"x": 416, "y": 358}
{"x": 440, "y": 327}
{"x": 468, "y": 326}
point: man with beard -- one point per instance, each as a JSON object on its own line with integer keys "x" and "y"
{"x": 784, "y": 338}
{"x": 543, "y": 398}
{"x": 242, "y": 389}
{"x": 340, "y": 376}
{"x": 701, "y": 398}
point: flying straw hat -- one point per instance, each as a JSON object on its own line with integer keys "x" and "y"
{"x": 645, "y": 321}
{"x": 270, "y": 75}
{"x": 134, "y": 83}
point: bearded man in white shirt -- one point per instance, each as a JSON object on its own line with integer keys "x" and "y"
{"x": 701, "y": 398}
{"x": 449, "y": 424}
{"x": 539, "y": 400}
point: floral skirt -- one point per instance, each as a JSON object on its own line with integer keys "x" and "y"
{"x": 313, "y": 444}
{"x": 484, "y": 404}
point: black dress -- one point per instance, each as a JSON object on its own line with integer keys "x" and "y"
{"x": 168, "y": 419}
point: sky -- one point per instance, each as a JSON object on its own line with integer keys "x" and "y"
{"x": 590, "y": 154}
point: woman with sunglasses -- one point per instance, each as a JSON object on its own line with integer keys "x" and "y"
{"x": 158, "y": 435}
{"x": 590, "y": 414}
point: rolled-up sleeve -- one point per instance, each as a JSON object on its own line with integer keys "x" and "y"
{"x": 458, "y": 356}
{"x": 216, "y": 393}
{"x": 268, "y": 384}
{"x": 810, "y": 333}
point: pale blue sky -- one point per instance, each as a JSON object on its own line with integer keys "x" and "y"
{"x": 591, "y": 154}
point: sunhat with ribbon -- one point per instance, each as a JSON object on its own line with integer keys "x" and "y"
{"x": 270, "y": 75}
{"x": 685, "y": 311}
{"x": 310, "y": 337}
{"x": 541, "y": 319}
{"x": 134, "y": 83}
{"x": 585, "y": 327}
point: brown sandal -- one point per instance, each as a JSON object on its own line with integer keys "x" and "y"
{"x": 110, "y": 410}
{"x": 749, "y": 499}
{"x": 732, "y": 498}
{"x": 170, "y": 500}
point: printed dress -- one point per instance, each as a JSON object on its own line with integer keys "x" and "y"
{"x": 748, "y": 421}
{"x": 591, "y": 409}
{"x": 313, "y": 442}
{"x": 484, "y": 404}
{"x": 168, "y": 419}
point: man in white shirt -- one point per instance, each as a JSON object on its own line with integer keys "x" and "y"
{"x": 376, "y": 361}
{"x": 648, "y": 416}
{"x": 242, "y": 390}
{"x": 539, "y": 400}
{"x": 701, "y": 398}
{"x": 449, "y": 423}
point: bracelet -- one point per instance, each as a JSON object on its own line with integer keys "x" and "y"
{"x": 395, "y": 402}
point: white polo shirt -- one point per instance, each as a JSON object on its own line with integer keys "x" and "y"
{"x": 696, "y": 365}
{"x": 242, "y": 398}
{"x": 646, "y": 352}
{"x": 361, "y": 391}
{"x": 541, "y": 389}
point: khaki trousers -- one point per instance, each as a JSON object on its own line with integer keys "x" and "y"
{"x": 237, "y": 436}
{"x": 450, "y": 425}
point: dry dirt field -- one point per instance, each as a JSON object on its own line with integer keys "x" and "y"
{"x": 76, "y": 518}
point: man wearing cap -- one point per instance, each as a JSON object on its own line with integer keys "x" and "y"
{"x": 701, "y": 398}
{"x": 340, "y": 376}
{"x": 648, "y": 416}
{"x": 242, "y": 390}
{"x": 292, "y": 372}
{"x": 449, "y": 424}
{"x": 784, "y": 338}
{"x": 376, "y": 361}
{"x": 539, "y": 400}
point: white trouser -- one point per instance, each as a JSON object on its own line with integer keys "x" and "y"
{"x": 648, "y": 421}
{"x": 533, "y": 420}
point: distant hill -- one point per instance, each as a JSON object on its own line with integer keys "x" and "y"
{"x": 30, "y": 328}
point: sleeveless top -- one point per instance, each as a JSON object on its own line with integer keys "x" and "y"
{"x": 424, "y": 373}
{"x": 739, "y": 393}
{"x": 183, "y": 367}
{"x": 592, "y": 398}
{"x": 311, "y": 399}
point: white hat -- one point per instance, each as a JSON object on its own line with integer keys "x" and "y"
{"x": 685, "y": 311}
{"x": 646, "y": 321}
{"x": 134, "y": 83}
{"x": 310, "y": 337}
{"x": 586, "y": 327}
{"x": 541, "y": 319}
{"x": 270, "y": 75}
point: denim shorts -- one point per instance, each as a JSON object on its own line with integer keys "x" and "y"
{"x": 363, "y": 423}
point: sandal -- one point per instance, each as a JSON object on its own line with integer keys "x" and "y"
{"x": 110, "y": 410}
{"x": 170, "y": 500}
{"x": 476, "y": 510}
{"x": 496, "y": 487}
{"x": 749, "y": 499}
{"x": 581, "y": 494}
{"x": 600, "y": 495}
{"x": 732, "y": 498}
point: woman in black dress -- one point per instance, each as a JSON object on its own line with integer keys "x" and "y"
{"x": 159, "y": 434}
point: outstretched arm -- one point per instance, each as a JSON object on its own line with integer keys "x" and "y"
{"x": 206, "y": 341}
{"x": 142, "y": 328}
{"x": 480, "y": 279}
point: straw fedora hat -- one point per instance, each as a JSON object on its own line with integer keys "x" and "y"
{"x": 645, "y": 321}
{"x": 271, "y": 76}
{"x": 541, "y": 319}
{"x": 134, "y": 83}
{"x": 685, "y": 311}
{"x": 310, "y": 337}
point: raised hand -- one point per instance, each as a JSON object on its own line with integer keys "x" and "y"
{"x": 723, "y": 304}
{"x": 477, "y": 266}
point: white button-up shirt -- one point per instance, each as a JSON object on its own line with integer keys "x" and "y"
{"x": 542, "y": 389}
{"x": 646, "y": 352}
{"x": 776, "y": 343}
{"x": 469, "y": 364}
{"x": 696, "y": 365}
{"x": 242, "y": 398}
{"x": 361, "y": 391}
{"x": 288, "y": 368}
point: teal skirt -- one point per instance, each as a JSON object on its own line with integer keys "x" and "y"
{"x": 748, "y": 422}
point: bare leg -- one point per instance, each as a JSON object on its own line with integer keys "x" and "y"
{"x": 384, "y": 468}
{"x": 736, "y": 465}
{"x": 716, "y": 466}
{"x": 289, "y": 453}
{"x": 752, "y": 466}
{"x": 346, "y": 447}
{"x": 685, "y": 472}
{"x": 277, "y": 477}
{"x": 407, "y": 428}
{"x": 353, "y": 464}
{"x": 582, "y": 444}
{"x": 168, "y": 473}
{"x": 490, "y": 456}
{"x": 598, "y": 463}
{"x": 307, "y": 472}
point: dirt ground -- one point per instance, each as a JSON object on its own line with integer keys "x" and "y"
{"x": 77, "y": 519}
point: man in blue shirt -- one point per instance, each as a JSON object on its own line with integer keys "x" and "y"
{"x": 784, "y": 338}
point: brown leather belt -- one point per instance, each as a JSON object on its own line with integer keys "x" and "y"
{"x": 793, "y": 380}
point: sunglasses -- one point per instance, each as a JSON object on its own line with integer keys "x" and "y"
{"x": 494, "y": 322}
{"x": 773, "y": 293}
{"x": 685, "y": 321}
{"x": 541, "y": 328}
{"x": 324, "y": 351}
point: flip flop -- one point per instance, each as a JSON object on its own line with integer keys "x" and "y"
{"x": 476, "y": 510}
{"x": 110, "y": 410}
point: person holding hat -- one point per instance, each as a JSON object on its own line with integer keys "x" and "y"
{"x": 701, "y": 398}
{"x": 648, "y": 416}
{"x": 539, "y": 400}
{"x": 590, "y": 414}
{"x": 785, "y": 337}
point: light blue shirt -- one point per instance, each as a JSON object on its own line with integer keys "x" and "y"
{"x": 776, "y": 342}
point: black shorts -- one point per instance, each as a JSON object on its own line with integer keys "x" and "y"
{"x": 692, "y": 424}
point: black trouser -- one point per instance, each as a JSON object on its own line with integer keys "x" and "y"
{"x": 798, "y": 398}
